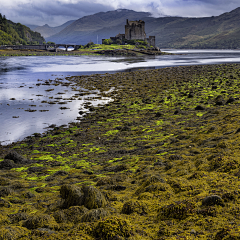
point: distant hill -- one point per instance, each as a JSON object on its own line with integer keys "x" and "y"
{"x": 103, "y": 24}
{"x": 15, "y": 33}
{"x": 47, "y": 31}
{"x": 171, "y": 32}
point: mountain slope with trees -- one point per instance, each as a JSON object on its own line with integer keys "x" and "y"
{"x": 15, "y": 33}
{"x": 171, "y": 32}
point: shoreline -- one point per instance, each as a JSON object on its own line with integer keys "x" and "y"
{"x": 121, "y": 52}
{"x": 164, "y": 156}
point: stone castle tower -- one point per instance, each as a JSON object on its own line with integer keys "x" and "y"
{"x": 135, "y": 30}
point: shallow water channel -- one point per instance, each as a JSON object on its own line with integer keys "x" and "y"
{"x": 34, "y": 93}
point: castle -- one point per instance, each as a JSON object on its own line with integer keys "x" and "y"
{"x": 134, "y": 30}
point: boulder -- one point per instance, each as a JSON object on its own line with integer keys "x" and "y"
{"x": 93, "y": 198}
{"x": 212, "y": 200}
{"x": 16, "y": 157}
{"x": 88, "y": 196}
{"x": 94, "y": 215}
{"x": 134, "y": 207}
{"x": 7, "y": 164}
{"x": 72, "y": 196}
{"x": 40, "y": 221}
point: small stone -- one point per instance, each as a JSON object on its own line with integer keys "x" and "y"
{"x": 193, "y": 232}
{"x": 199, "y": 107}
{"x": 212, "y": 200}
{"x": 191, "y": 95}
{"x": 158, "y": 114}
{"x": 230, "y": 100}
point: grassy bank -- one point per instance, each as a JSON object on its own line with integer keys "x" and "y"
{"x": 95, "y": 49}
{"x": 160, "y": 162}
{"x": 31, "y": 52}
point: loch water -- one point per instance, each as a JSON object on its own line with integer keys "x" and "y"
{"x": 25, "y": 94}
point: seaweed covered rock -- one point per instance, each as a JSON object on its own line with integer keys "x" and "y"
{"x": 149, "y": 181}
{"x": 134, "y": 207}
{"x": 72, "y": 214}
{"x": 219, "y": 100}
{"x": 7, "y": 164}
{"x": 88, "y": 196}
{"x": 72, "y": 196}
{"x": 199, "y": 107}
{"x": 227, "y": 232}
{"x": 93, "y": 198}
{"x": 17, "y": 217}
{"x": 5, "y": 191}
{"x": 44, "y": 233}
{"x": 105, "y": 181}
{"x": 40, "y": 221}
{"x": 113, "y": 228}
{"x": 94, "y": 215}
{"x": 4, "y": 203}
{"x": 16, "y": 157}
{"x": 177, "y": 210}
{"x": 212, "y": 200}
{"x": 116, "y": 168}
{"x": 12, "y": 232}
{"x": 4, "y": 181}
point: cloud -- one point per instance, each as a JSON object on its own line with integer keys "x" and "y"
{"x": 58, "y": 12}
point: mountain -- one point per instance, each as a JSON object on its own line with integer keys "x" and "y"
{"x": 171, "y": 32}
{"x": 32, "y": 27}
{"x": 103, "y": 24}
{"x": 47, "y": 31}
{"x": 210, "y": 32}
{"x": 15, "y": 33}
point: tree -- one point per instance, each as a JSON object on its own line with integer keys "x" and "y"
{"x": 107, "y": 41}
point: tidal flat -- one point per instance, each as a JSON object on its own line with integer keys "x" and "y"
{"x": 161, "y": 161}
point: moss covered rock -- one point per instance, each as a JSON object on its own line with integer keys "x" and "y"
{"x": 93, "y": 198}
{"x": 177, "y": 210}
{"x": 113, "y": 227}
{"x": 134, "y": 207}
{"x": 72, "y": 196}
{"x": 12, "y": 232}
{"x": 40, "y": 221}
{"x": 94, "y": 215}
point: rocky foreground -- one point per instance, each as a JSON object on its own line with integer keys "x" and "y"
{"x": 159, "y": 162}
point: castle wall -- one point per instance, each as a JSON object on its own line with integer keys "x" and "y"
{"x": 135, "y": 30}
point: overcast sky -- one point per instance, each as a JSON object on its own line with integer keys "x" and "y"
{"x": 57, "y": 12}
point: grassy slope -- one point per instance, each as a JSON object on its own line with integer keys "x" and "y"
{"x": 153, "y": 155}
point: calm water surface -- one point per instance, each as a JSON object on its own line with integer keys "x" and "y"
{"x": 25, "y": 93}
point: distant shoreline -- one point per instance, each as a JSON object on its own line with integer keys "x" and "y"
{"x": 120, "y": 52}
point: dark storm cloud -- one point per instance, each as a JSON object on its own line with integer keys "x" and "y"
{"x": 58, "y": 12}
{"x": 53, "y": 12}
{"x": 57, "y": 8}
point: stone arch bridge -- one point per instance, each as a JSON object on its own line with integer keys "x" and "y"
{"x": 41, "y": 47}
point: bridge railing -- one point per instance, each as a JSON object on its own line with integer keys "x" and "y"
{"x": 40, "y": 46}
